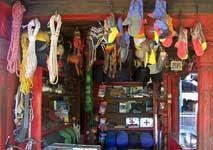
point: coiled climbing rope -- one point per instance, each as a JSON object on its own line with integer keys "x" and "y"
{"x": 13, "y": 55}
{"x": 31, "y": 55}
{"x": 52, "y": 61}
{"x": 25, "y": 83}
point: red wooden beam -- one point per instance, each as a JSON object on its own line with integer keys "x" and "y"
{"x": 37, "y": 95}
{"x": 5, "y": 8}
{"x": 5, "y": 20}
{"x": 71, "y": 17}
{"x": 205, "y": 99}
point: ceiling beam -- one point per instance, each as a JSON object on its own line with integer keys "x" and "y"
{"x": 47, "y": 7}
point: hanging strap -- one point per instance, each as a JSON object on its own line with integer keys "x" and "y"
{"x": 52, "y": 61}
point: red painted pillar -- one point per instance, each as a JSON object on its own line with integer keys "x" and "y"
{"x": 7, "y": 81}
{"x": 205, "y": 110}
{"x": 175, "y": 105}
{"x": 205, "y": 88}
{"x": 37, "y": 95}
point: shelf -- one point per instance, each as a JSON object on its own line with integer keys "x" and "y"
{"x": 125, "y": 99}
{"x": 55, "y": 129}
{"x": 60, "y": 74}
{"x": 163, "y": 99}
{"x": 130, "y": 129}
{"x": 49, "y": 94}
{"x": 124, "y": 83}
{"x": 143, "y": 114}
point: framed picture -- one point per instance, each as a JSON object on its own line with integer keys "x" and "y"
{"x": 176, "y": 65}
{"x": 146, "y": 122}
{"x": 132, "y": 122}
{"x": 125, "y": 107}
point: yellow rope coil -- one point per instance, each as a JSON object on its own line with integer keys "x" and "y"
{"x": 26, "y": 83}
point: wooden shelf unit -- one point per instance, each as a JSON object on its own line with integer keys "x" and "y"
{"x": 116, "y": 118}
{"x": 130, "y": 129}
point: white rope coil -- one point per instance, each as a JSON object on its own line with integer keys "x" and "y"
{"x": 52, "y": 61}
{"x": 33, "y": 28}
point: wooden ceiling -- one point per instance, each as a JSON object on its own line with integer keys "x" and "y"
{"x": 91, "y": 7}
{"x": 47, "y": 7}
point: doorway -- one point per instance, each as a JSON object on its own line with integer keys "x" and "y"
{"x": 188, "y": 110}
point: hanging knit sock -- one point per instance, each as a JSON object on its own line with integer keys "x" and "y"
{"x": 182, "y": 44}
{"x": 197, "y": 46}
{"x": 182, "y": 50}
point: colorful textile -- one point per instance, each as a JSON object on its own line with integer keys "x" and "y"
{"x": 134, "y": 17}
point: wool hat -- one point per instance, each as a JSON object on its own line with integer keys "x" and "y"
{"x": 134, "y": 17}
{"x": 160, "y": 9}
{"x": 182, "y": 44}
{"x": 198, "y": 39}
{"x": 123, "y": 41}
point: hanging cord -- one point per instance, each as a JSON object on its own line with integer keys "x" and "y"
{"x": 13, "y": 55}
{"x": 32, "y": 28}
{"x": 52, "y": 61}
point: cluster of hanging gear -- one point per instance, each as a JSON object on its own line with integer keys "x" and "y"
{"x": 95, "y": 38}
{"x": 76, "y": 57}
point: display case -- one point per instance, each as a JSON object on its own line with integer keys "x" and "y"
{"x": 127, "y": 107}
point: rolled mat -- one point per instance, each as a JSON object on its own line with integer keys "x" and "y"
{"x": 146, "y": 140}
{"x": 122, "y": 139}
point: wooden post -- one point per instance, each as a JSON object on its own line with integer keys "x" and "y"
{"x": 36, "y": 124}
{"x": 205, "y": 97}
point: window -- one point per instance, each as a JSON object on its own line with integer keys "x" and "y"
{"x": 188, "y": 109}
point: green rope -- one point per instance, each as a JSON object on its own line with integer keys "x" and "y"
{"x": 69, "y": 135}
{"x": 88, "y": 96}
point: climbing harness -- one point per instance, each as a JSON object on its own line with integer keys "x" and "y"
{"x": 52, "y": 61}
{"x": 31, "y": 55}
{"x": 13, "y": 55}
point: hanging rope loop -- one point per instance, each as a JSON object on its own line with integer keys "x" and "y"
{"x": 32, "y": 28}
{"x": 13, "y": 55}
{"x": 52, "y": 61}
